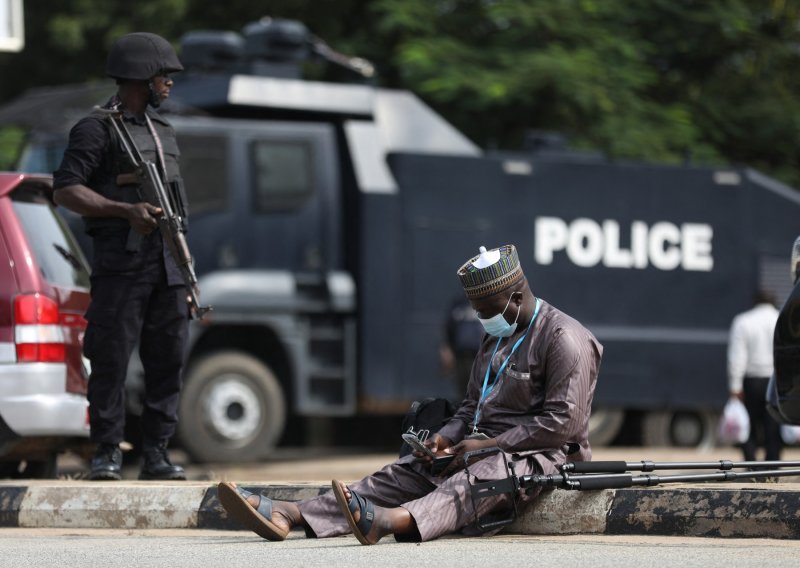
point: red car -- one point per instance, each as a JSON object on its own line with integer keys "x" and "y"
{"x": 44, "y": 293}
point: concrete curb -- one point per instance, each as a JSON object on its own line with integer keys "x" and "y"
{"x": 741, "y": 510}
{"x": 744, "y": 511}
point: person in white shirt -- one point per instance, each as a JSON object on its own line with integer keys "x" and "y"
{"x": 750, "y": 366}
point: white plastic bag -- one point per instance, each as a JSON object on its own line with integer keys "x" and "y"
{"x": 734, "y": 426}
{"x": 790, "y": 434}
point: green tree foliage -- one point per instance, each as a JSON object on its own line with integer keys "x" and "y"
{"x": 576, "y": 66}
{"x": 11, "y": 140}
{"x": 67, "y": 40}
{"x": 657, "y": 80}
{"x": 664, "y": 80}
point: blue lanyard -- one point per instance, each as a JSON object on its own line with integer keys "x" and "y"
{"x": 487, "y": 388}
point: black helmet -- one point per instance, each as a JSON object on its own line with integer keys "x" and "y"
{"x": 142, "y": 56}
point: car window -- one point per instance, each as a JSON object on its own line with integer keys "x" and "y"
{"x": 282, "y": 175}
{"x": 41, "y": 157}
{"x": 57, "y": 254}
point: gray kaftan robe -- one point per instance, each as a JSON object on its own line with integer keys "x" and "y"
{"x": 538, "y": 409}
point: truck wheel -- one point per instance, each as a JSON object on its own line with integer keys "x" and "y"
{"x": 232, "y": 409}
{"x": 682, "y": 429}
{"x": 604, "y": 425}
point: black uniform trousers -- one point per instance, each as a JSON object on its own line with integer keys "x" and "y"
{"x": 764, "y": 430}
{"x": 133, "y": 301}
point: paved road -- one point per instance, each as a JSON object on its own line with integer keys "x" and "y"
{"x": 189, "y": 549}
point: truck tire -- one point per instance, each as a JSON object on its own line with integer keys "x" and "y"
{"x": 680, "y": 428}
{"x": 232, "y": 409}
{"x": 604, "y": 425}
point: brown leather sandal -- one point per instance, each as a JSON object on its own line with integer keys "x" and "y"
{"x": 257, "y": 519}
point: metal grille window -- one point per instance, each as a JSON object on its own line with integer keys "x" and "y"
{"x": 204, "y": 168}
{"x": 282, "y": 176}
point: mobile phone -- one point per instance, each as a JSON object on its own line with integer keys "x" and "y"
{"x": 416, "y": 443}
{"x": 439, "y": 463}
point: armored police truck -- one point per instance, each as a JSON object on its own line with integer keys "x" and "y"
{"x": 328, "y": 221}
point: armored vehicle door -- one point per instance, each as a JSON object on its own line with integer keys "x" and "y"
{"x": 262, "y": 194}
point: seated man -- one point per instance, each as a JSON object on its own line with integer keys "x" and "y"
{"x": 530, "y": 395}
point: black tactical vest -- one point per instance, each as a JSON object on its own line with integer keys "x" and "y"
{"x": 121, "y": 164}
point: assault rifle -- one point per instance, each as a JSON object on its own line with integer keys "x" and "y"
{"x": 583, "y": 476}
{"x": 152, "y": 191}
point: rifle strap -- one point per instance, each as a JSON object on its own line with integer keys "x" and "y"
{"x": 118, "y": 123}
{"x": 162, "y": 165}
{"x": 134, "y": 242}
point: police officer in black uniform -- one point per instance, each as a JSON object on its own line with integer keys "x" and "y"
{"x": 137, "y": 289}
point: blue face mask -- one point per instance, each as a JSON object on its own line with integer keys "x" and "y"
{"x": 497, "y": 324}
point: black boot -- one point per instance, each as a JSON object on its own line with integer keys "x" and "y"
{"x": 156, "y": 464}
{"x": 106, "y": 463}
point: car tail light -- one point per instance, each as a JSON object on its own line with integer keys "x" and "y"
{"x": 37, "y": 330}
